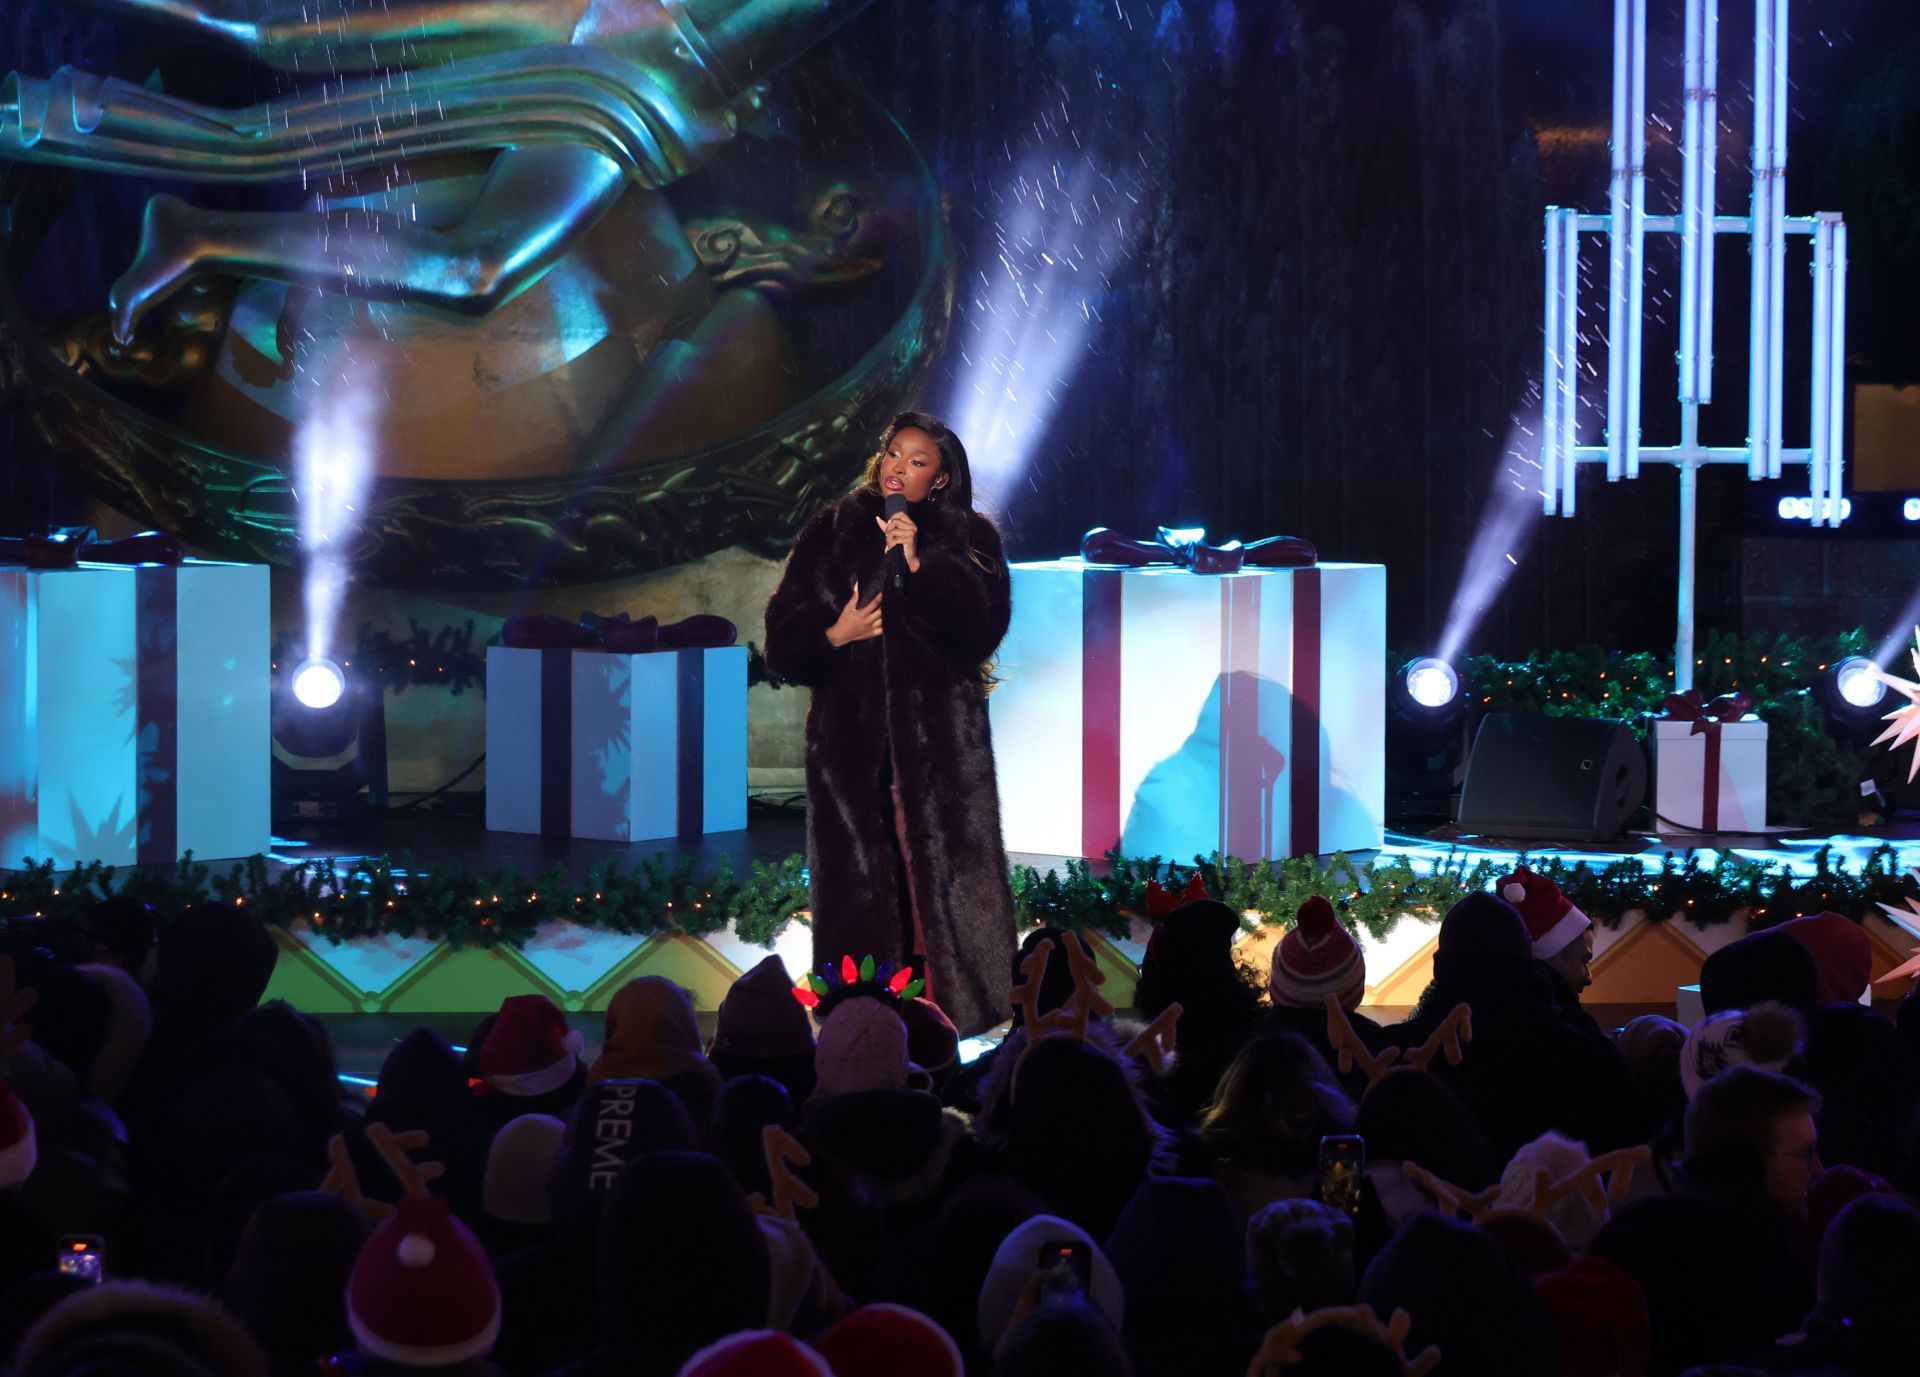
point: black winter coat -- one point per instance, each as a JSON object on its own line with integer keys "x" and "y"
{"x": 903, "y": 816}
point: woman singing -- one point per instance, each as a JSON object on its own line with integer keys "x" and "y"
{"x": 903, "y": 817}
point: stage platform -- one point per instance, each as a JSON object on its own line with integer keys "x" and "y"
{"x": 371, "y": 991}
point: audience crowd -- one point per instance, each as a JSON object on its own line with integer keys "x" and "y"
{"x": 1239, "y": 1176}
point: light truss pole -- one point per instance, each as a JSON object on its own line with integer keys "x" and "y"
{"x": 1626, "y": 225}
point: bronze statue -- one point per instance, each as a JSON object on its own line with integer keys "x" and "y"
{"x": 581, "y": 98}
{"x": 488, "y": 231}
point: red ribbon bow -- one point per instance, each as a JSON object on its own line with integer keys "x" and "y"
{"x": 1708, "y": 718}
{"x": 1104, "y": 546}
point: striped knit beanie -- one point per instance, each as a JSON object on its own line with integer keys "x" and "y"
{"x": 1318, "y": 958}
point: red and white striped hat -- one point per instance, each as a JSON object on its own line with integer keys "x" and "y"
{"x": 1317, "y": 958}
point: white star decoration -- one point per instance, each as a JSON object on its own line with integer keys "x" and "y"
{"x": 1907, "y": 920}
{"x": 1905, "y": 721}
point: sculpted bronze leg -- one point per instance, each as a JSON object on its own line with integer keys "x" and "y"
{"x": 532, "y": 205}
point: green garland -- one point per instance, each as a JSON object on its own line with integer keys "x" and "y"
{"x": 368, "y": 898}
{"x": 1811, "y": 778}
{"x": 491, "y": 908}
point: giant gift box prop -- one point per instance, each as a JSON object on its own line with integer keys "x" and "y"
{"x": 1710, "y": 765}
{"x": 1173, "y": 713}
{"x": 618, "y": 747}
{"x": 135, "y": 712}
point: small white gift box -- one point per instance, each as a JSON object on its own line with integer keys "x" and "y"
{"x": 1713, "y": 779}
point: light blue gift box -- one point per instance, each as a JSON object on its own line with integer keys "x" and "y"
{"x": 617, "y": 747}
{"x": 135, "y": 712}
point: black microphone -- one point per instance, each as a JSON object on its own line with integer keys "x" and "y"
{"x": 897, "y": 556}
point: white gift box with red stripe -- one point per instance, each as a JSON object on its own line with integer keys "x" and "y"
{"x": 617, "y": 747}
{"x": 1174, "y": 714}
{"x": 1711, "y": 780}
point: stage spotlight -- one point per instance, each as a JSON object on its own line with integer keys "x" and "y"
{"x": 329, "y": 743}
{"x": 318, "y": 683}
{"x": 1432, "y": 683}
{"x": 1426, "y": 742}
{"x": 1857, "y": 679}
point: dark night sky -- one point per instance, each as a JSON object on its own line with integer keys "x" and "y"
{"x": 1310, "y": 235}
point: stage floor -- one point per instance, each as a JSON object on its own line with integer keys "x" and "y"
{"x": 774, "y": 833}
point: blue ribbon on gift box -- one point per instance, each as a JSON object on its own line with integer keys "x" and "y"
{"x": 617, "y": 634}
{"x": 69, "y": 548}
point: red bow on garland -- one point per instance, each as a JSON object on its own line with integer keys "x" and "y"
{"x": 1162, "y": 901}
{"x": 1707, "y": 718}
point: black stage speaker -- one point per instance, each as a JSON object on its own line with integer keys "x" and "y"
{"x": 1557, "y": 778}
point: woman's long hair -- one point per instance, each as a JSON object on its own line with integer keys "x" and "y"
{"x": 953, "y": 457}
{"x": 1279, "y": 1089}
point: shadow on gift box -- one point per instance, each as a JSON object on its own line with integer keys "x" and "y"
{"x": 1242, "y": 789}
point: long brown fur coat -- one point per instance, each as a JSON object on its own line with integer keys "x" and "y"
{"x": 910, "y": 704}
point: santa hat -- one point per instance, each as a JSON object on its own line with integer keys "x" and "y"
{"x": 1767, "y": 1036}
{"x": 1318, "y": 957}
{"x": 757, "y": 1353}
{"x": 932, "y": 1040}
{"x": 863, "y": 1046}
{"x": 1842, "y": 955}
{"x": 1600, "y": 1317}
{"x": 1552, "y": 920}
{"x": 881, "y": 1340}
{"x": 18, "y": 1150}
{"x": 422, "y": 1292}
{"x": 530, "y": 1050}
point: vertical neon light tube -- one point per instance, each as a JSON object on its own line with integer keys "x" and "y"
{"x": 1709, "y": 144}
{"x": 1637, "y": 235}
{"x": 1777, "y": 243}
{"x": 1569, "y": 354}
{"x": 1619, "y": 297}
{"x": 1818, "y": 429}
{"x": 1759, "y": 411}
{"x": 1550, "y": 380}
{"x": 1837, "y": 379}
{"x": 1690, "y": 232}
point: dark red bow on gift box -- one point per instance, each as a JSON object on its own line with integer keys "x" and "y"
{"x": 1189, "y": 550}
{"x": 67, "y": 551}
{"x": 617, "y": 634}
{"x": 1707, "y": 718}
